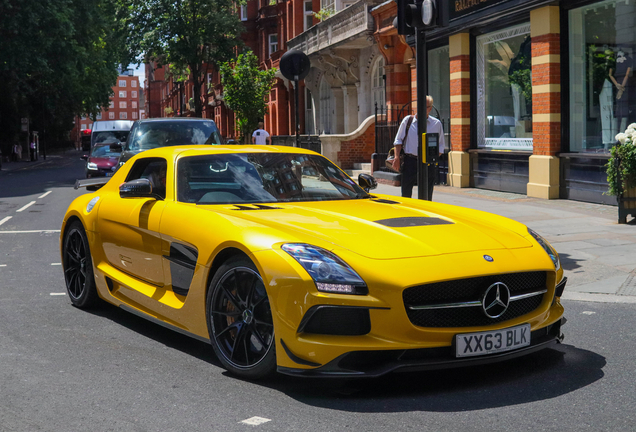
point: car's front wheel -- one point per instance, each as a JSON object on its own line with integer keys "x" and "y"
{"x": 78, "y": 267}
{"x": 240, "y": 320}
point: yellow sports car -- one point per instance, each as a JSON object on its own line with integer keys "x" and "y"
{"x": 282, "y": 262}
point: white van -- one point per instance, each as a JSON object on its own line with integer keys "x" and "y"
{"x": 110, "y": 131}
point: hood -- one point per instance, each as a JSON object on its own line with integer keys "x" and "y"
{"x": 380, "y": 230}
{"x": 104, "y": 162}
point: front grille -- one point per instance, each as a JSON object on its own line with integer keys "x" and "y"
{"x": 470, "y": 290}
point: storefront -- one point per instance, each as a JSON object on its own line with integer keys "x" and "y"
{"x": 537, "y": 91}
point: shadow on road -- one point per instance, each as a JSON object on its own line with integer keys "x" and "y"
{"x": 539, "y": 376}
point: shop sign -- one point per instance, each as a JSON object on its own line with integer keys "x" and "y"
{"x": 460, "y": 8}
{"x": 520, "y": 144}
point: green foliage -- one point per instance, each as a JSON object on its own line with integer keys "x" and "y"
{"x": 57, "y": 59}
{"x": 188, "y": 35}
{"x": 621, "y": 166}
{"x": 245, "y": 88}
{"x": 324, "y": 13}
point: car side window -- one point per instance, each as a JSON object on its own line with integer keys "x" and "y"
{"x": 153, "y": 169}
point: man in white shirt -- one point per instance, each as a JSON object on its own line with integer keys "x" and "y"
{"x": 408, "y": 140}
{"x": 260, "y": 135}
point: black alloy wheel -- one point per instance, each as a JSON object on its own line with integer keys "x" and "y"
{"x": 240, "y": 320}
{"x": 78, "y": 267}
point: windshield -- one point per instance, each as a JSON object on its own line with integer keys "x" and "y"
{"x": 104, "y": 151}
{"x": 109, "y": 137}
{"x": 151, "y": 135}
{"x": 262, "y": 178}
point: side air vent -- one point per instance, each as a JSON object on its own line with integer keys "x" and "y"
{"x": 256, "y": 207}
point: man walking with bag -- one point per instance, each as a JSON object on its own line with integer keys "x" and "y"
{"x": 406, "y": 138}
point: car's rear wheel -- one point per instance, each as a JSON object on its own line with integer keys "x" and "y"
{"x": 78, "y": 267}
{"x": 240, "y": 320}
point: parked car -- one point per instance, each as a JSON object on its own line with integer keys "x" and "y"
{"x": 165, "y": 132}
{"x": 101, "y": 161}
{"x": 280, "y": 261}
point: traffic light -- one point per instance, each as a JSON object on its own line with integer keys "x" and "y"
{"x": 420, "y": 14}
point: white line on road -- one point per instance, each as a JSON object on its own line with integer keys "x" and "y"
{"x": 58, "y": 294}
{"x": 56, "y": 263}
{"x": 3, "y": 265}
{"x": 45, "y": 194}
{"x": 29, "y": 232}
{"x": 5, "y": 219}
{"x": 26, "y": 206}
{"x": 255, "y": 421}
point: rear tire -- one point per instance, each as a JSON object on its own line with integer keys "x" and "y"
{"x": 240, "y": 320}
{"x": 78, "y": 267}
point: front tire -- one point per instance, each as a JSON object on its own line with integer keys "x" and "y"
{"x": 240, "y": 320}
{"x": 78, "y": 267}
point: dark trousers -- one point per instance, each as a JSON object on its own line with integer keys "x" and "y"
{"x": 409, "y": 177}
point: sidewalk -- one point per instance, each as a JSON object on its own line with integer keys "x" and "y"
{"x": 597, "y": 254}
{"x": 51, "y": 157}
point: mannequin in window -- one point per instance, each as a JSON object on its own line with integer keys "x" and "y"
{"x": 625, "y": 89}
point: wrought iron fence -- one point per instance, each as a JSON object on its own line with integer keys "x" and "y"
{"x": 309, "y": 142}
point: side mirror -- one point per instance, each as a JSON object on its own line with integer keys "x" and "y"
{"x": 117, "y": 147}
{"x": 231, "y": 141}
{"x": 367, "y": 182}
{"x": 140, "y": 188}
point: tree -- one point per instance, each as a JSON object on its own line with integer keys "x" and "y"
{"x": 58, "y": 59}
{"x": 189, "y": 35}
{"x": 245, "y": 88}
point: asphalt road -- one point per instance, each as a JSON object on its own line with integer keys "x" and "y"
{"x": 64, "y": 369}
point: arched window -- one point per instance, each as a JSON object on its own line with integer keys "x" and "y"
{"x": 325, "y": 106}
{"x": 377, "y": 83}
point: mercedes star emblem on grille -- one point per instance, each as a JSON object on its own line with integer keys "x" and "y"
{"x": 496, "y": 300}
{"x": 488, "y": 258}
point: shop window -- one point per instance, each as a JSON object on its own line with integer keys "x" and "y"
{"x": 378, "y": 77}
{"x": 504, "y": 89}
{"x": 602, "y": 45}
{"x": 439, "y": 84}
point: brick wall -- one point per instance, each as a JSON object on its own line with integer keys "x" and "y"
{"x": 358, "y": 150}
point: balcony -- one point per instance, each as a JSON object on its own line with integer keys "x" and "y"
{"x": 348, "y": 28}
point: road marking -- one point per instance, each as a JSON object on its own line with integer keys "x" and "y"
{"x": 3, "y": 265}
{"x": 58, "y": 294}
{"x": 29, "y": 232}
{"x": 255, "y": 421}
{"x": 26, "y": 206}
{"x": 588, "y": 313}
{"x": 45, "y": 194}
{"x": 56, "y": 263}
{"x": 5, "y": 219}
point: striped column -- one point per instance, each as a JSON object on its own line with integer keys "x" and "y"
{"x": 459, "y": 158}
{"x": 546, "y": 103}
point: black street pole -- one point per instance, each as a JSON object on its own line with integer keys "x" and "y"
{"x": 296, "y": 95}
{"x": 422, "y": 91}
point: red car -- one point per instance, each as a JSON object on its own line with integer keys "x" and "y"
{"x": 101, "y": 161}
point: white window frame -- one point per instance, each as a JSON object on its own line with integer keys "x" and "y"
{"x": 123, "y": 115}
{"x": 273, "y": 45}
{"x": 111, "y": 104}
{"x": 309, "y": 14}
{"x": 111, "y": 115}
{"x": 122, "y": 83}
{"x": 133, "y": 104}
{"x": 134, "y": 115}
{"x": 133, "y": 94}
{"x": 377, "y": 83}
{"x": 123, "y": 105}
{"x": 133, "y": 83}
{"x": 99, "y": 116}
{"x": 123, "y": 93}
{"x": 244, "y": 12}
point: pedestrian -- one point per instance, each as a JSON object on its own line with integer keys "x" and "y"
{"x": 32, "y": 150}
{"x": 14, "y": 153}
{"x": 407, "y": 140}
{"x": 260, "y": 135}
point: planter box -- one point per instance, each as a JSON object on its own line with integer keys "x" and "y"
{"x": 626, "y": 205}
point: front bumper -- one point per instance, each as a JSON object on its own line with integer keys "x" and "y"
{"x": 371, "y": 364}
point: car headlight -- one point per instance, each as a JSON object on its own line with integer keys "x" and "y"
{"x": 91, "y": 204}
{"x": 554, "y": 256}
{"x": 330, "y": 273}
{"x": 91, "y": 166}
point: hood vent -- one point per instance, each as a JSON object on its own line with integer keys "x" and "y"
{"x": 256, "y": 207}
{"x": 405, "y": 222}
{"x": 384, "y": 201}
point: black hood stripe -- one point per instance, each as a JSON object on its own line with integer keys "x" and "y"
{"x": 413, "y": 222}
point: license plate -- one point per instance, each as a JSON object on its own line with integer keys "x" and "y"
{"x": 490, "y": 342}
{"x": 109, "y": 174}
